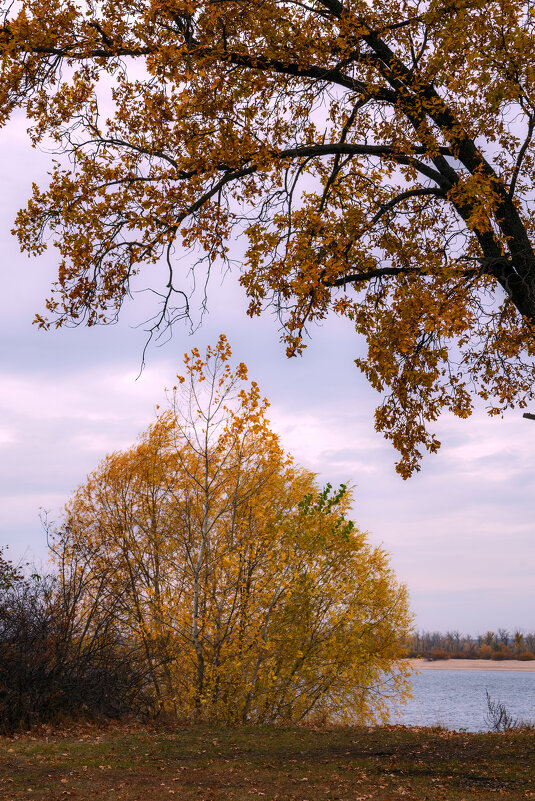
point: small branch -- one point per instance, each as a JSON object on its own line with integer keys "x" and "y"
{"x": 380, "y": 272}
{"x": 423, "y": 192}
{"x": 520, "y": 157}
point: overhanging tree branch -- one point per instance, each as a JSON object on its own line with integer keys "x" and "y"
{"x": 335, "y": 138}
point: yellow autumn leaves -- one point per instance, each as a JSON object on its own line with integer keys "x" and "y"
{"x": 251, "y": 595}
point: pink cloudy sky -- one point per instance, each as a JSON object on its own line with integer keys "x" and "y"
{"x": 461, "y": 533}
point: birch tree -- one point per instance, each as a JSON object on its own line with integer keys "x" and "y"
{"x": 254, "y": 595}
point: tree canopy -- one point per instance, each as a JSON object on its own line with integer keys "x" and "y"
{"x": 377, "y": 158}
{"x": 253, "y": 597}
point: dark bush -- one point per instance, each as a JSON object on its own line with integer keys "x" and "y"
{"x": 58, "y": 661}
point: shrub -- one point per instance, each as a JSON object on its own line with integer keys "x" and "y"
{"x": 498, "y": 717}
{"x": 54, "y": 664}
{"x": 438, "y": 653}
{"x": 504, "y": 652}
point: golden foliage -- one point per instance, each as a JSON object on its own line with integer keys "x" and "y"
{"x": 252, "y": 594}
{"x": 378, "y": 155}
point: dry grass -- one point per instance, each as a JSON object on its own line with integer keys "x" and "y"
{"x": 131, "y": 763}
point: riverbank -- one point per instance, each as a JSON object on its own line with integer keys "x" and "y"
{"x": 383, "y": 763}
{"x": 473, "y": 664}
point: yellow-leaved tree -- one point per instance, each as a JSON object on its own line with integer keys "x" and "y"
{"x": 252, "y": 595}
{"x": 377, "y": 155}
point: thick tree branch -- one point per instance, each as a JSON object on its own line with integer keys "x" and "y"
{"x": 82, "y": 51}
{"x": 355, "y": 149}
{"x": 381, "y": 272}
{"x": 317, "y": 73}
{"x": 112, "y": 52}
{"x": 464, "y": 148}
{"x": 304, "y": 151}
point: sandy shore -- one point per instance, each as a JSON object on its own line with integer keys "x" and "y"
{"x": 473, "y": 664}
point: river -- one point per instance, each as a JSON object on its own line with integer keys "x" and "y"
{"x": 455, "y": 699}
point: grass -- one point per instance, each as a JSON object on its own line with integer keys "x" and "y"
{"x": 388, "y": 763}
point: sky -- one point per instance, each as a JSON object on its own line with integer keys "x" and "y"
{"x": 461, "y": 533}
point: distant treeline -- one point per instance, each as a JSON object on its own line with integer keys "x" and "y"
{"x": 500, "y": 644}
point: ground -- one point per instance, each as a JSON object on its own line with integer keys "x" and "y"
{"x": 389, "y": 763}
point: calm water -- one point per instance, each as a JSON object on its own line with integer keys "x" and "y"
{"x": 455, "y": 699}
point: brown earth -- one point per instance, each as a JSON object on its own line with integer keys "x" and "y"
{"x": 383, "y": 763}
